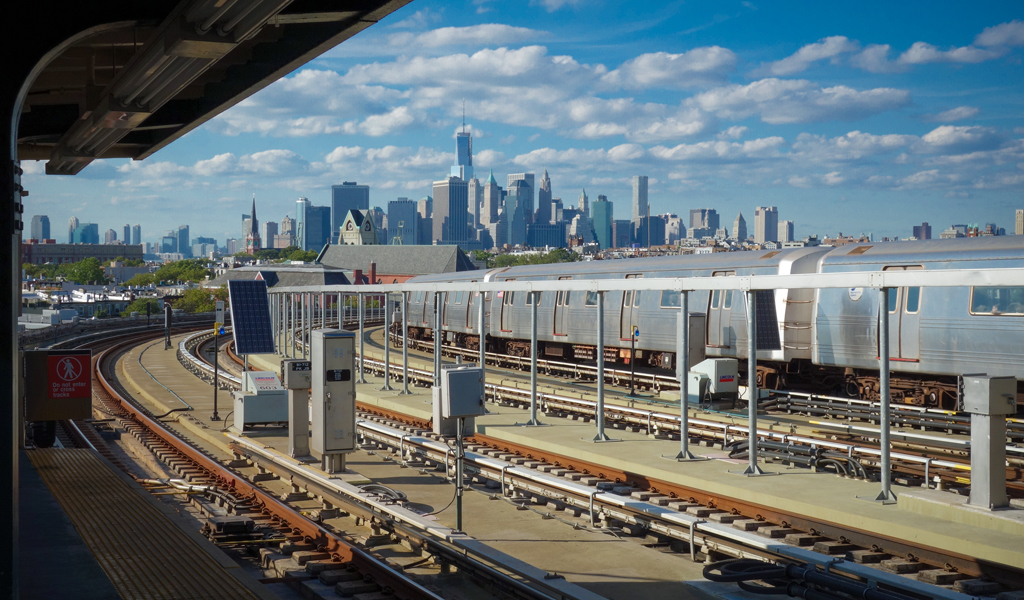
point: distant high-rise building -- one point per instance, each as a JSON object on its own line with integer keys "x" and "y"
{"x": 622, "y": 232}
{"x": 923, "y": 231}
{"x": 169, "y": 243}
{"x": 557, "y": 210}
{"x": 476, "y": 198}
{"x": 675, "y": 230}
{"x": 517, "y": 208}
{"x": 463, "y": 167}
{"x": 739, "y": 228}
{"x": 268, "y": 229}
{"x": 639, "y": 197}
{"x": 766, "y": 224}
{"x": 1019, "y": 228}
{"x": 252, "y": 237}
{"x": 403, "y": 222}
{"x": 136, "y": 234}
{"x": 451, "y": 209}
{"x": 86, "y": 233}
{"x": 287, "y": 228}
{"x": 345, "y": 197}
{"x": 785, "y": 232}
{"x": 528, "y": 202}
{"x": 73, "y": 224}
{"x": 233, "y": 246}
{"x": 312, "y": 226}
{"x": 184, "y": 247}
{"x": 126, "y": 238}
{"x": 491, "y": 200}
{"x": 704, "y": 218}
{"x": 584, "y": 204}
{"x": 110, "y": 236}
{"x": 602, "y": 220}
{"x": 40, "y": 227}
{"x": 301, "y": 206}
{"x": 543, "y": 214}
{"x": 650, "y": 231}
{"x": 426, "y": 209}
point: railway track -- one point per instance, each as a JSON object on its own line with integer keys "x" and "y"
{"x": 717, "y": 526}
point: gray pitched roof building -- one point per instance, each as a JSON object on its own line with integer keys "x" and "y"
{"x": 283, "y": 275}
{"x": 396, "y": 263}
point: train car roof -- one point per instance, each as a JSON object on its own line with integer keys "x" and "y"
{"x": 919, "y": 251}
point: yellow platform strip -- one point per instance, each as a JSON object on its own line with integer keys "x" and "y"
{"x": 145, "y": 555}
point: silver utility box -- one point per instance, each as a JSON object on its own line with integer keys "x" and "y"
{"x": 296, "y": 374}
{"x": 714, "y": 379}
{"x": 984, "y": 395}
{"x": 263, "y": 402}
{"x": 333, "y": 392}
{"x": 462, "y": 390}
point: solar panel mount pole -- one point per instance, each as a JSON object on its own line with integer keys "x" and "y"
{"x": 599, "y": 416}
{"x": 361, "y": 353}
{"x": 534, "y": 298}
{"x": 752, "y": 468}
{"x": 885, "y": 496}
{"x": 405, "y": 343}
{"x": 387, "y": 345}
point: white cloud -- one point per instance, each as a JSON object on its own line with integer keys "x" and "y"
{"x": 924, "y": 53}
{"x": 798, "y": 101}
{"x": 852, "y": 146}
{"x": 833, "y": 178}
{"x": 720, "y": 151}
{"x": 418, "y": 20}
{"x": 799, "y": 182}
{"x": 487, "y": 34}
{"x": 927, "y": 179}
{"x": 954, "y": 114}
{"x": 733, "y": 133}
{"x": 875, "y": 59}
{"x": 697, "y": 67}
{"x": 830, "y": 47}
{"x": 1004, "y": 34}
{"x": 553, "y": 5}
{"x": 950, "y": 139}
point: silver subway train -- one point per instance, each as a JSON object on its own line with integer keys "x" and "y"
{"x": 822, "y": 340}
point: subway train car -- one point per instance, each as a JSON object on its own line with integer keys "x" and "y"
{"x": 823, "y": 340}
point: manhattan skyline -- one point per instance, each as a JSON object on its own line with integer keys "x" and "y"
{"x": 859, "y": 118}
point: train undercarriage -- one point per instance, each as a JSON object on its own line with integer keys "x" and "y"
{"x": 799, "y": 375}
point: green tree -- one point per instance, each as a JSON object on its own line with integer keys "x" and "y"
{"x": 84, "y": 271}
{"x": 142, "y": 279}
{"x": 268, "y": 254}
{"x": 300, "y": 255}
{"x": 135, "y": 262}
{"x": 196, "y": 300}
{"x": 139, "y": 306}
{"x": 191, "y": 269}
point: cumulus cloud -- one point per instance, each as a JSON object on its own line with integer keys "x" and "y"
{"x": 952, "y": 139}
{"x": 487, "y": 34}
{"x": 954, "y": 114}
{"x": 830, "y": 47}
{"x": 875, "y": 59}
{"x": 733, "y": 133}
{"x": 852, "y": 146}
{"x": 924, "y": 53}
{"x": 553, "y": 5}
{"x": 798, "y": 101}
{"x": 575, "y": 157}
{"x": 720, "y": 151}
{"x": 1002, "y": 35}
{"x": 697, "y": 67}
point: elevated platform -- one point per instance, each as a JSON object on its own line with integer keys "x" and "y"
{"x": 117, "y": 530}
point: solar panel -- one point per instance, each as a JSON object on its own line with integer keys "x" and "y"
{"x": 767, "y": 321}
{"x": 250, "y": 317}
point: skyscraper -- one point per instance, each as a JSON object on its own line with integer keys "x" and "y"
{"x": 73, "y": 224}
{"x": 425, "y": 207}
{"x": 403, "y": 222}
{"x": 785, "y": 231}
{"x": 85, "y": 233}
{"x": 476, "y": 197}
{"x": 110, "y": 236}
{"x": 1019, "y": 228}
{"x": 603, "y": 216}
{"x": 301, "y": 206}
{"x": 739, "y": 228}
{"x": 314, "y": 228}
{"x": 766, "y": 224}
{"x": 492, "y": 201}
{"x": 184, "y": 244}
{"x": 451, "y": 208}
{"x": 287, "y": 228}
{"x": 543, "y": 214}
{"x": 923, "y": 231}
{"x": 345, "y": 197}
{"x": 528, "y": 201}
{"x": 463, "y": 167}
{"x": 517, "y": 207}
{"x": 639, "y": 197}
{"x": 136, "y": 234}
{"x": 41, "y": 227}
{"x": 704, "y": 218}
{"x": 126, "y": 238}
{"x": 268, "y": 229}
{"x": 584, "y": 204}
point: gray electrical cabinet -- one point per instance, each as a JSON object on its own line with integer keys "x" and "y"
{"x": 265, "y": 401}
{"x": 462, "y": 391}
{"x": 333, "y": 396}
{"x": 984, "y": 395}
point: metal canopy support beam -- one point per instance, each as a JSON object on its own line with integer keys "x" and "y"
{"x": 599, "y": 413}
{"x": 387, "y": 345}
{"x": 481, "y": 329}
{"x": 405, "y": 343}
{"x": 885, "y": 496}
{"x": 303, "y": 310}
{"x": 683, "y": 369}
{"x": 360, "y": 300}
{"x": 534, "y": 297}
{"x": 437, "y": 339}
{"x": 752, "y": 467}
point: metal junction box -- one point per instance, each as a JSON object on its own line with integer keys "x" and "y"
{"x": 296, "y": 374}
{"x": 984, "y": 395}
{"x": 714, "y": 378}
{"x": 333, "y": 392}
{"x": 462, "y": 390}
{"x": 264, "y": 402}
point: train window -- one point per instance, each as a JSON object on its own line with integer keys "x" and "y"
{"x": 913, "y": 299}
{"x": 636, "y": 298}
{"x": 1007, "y": 301}
{"x": 459, "y": 296}
{"x": 669, "y": 299}
{"x": 728, "y": 299}
{"x": 894, "y": 300}
{"x": 627, "y": 297}
{"x": 531, "y": 295}
{"x": 565, "y": 298}
{"x": 591, "y": 299}
{"x": 715, "y": 297}
{"x": 558, "y": 298}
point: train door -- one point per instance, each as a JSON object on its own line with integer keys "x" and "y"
{"x": 471, "y": 301}
{"x": 561, "y": 311}
{"x": 719, "y": 323}
{"x": 507, "y": 298}
{"x": 630, "y": 312}
{"x": 428, "y": 309}
{"x": 904, "y": 319}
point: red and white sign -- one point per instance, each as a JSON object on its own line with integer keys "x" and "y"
{"x": 726, "y": 379}
{"x": 69, "y": 376}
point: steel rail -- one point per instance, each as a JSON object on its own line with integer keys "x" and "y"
{"x": 389, "y": 578}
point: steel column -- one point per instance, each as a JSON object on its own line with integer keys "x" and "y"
{"x": 323, "y": 310}
{"x": 535, "y": 298}
{"x": 303, "y": 318}
{"x": 405, "y": 343}
{"x": 387, "y": 344}
{"x": 291, "y": 325}
{"x": 360, "y": 300}
{"x": 752, "y": 467}
{"x": 482, "y": 296}
{"x": 437, "y": 339}
{"x": 599, "y": 413}
{"x": 885, "y": 496}
{"x": 683, "y": 368}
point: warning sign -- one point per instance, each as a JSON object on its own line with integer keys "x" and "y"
{"x": 69, "y": 376}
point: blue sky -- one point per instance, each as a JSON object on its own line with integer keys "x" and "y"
{"x": 850, "y": 117}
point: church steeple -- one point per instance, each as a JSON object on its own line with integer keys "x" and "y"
{"x": 252, "y": 238}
